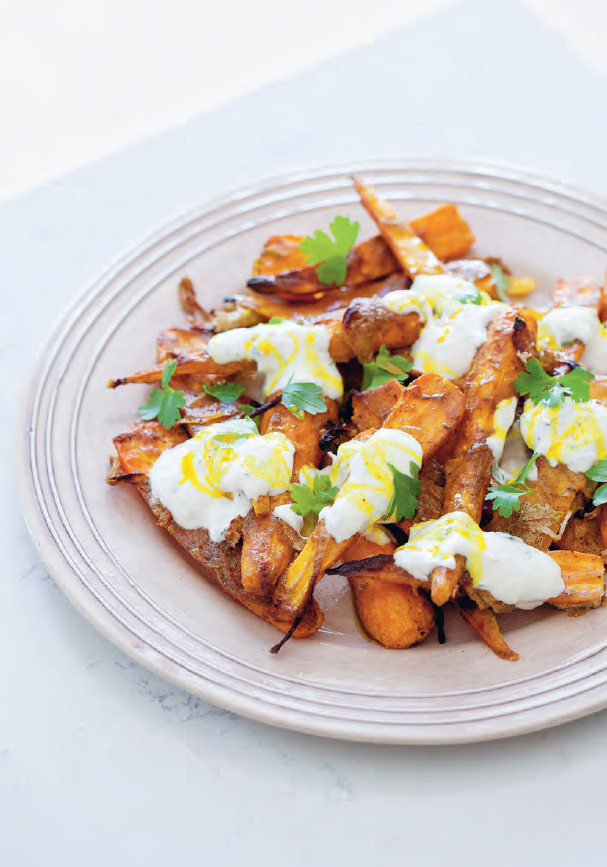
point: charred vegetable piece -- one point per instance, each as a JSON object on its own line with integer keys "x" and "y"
{"x": 484, "y": 623}
{"x": 394, "y": 615}
{"x": 426, "y": 406}
{"x": 138, "y": 448}
{"x": 445, "y": 231}
{"x": 412, "y": 254}
{"x": 584, "y": 577}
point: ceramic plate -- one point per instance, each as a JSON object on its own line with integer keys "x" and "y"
{"x": 135, "y": 585}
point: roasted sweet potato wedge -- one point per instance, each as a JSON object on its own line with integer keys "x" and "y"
{"x": 413, "y": 256}
{"x": 445, "y": 232}
{"x": 484, "y": 623}
{"x": 584, "y": 577}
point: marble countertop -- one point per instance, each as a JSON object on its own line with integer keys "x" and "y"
{"x": 103, "y": 763}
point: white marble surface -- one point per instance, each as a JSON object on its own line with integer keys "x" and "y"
{"x": 101, "y": 762}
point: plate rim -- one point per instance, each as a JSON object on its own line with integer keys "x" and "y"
{"x": 79, "y": 595}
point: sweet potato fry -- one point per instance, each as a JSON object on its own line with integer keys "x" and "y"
{"x": 584, "y": 577}
{"x": 371, "y": 408}
{"x": 370, "y": 260}
{"x": 201, "y": 365}
{"x": 267, "y": 541}
{"x": 394, "y": 615}
{"x": 510, "y": 338}
{"x": 484, "y": 623}
{"x": 413, "y": 256}
{"x": 445, "y": 232}
{"x": 138, "y": 448}
{"x": 496, "y": 365}
{"x": 428, "y": 409}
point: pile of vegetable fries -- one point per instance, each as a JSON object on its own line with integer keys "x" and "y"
{"x": 416, "y": 370}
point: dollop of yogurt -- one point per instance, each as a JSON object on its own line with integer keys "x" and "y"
{"x": 362, "y": 472}
{"x": 212, "y": 478}
{"x": 456, "y": 316}
{"x": 284, "y": 352}
{"x": 563, "y": 325}
{"x": 571, "y": 433}
{"x": 512, "y": 571}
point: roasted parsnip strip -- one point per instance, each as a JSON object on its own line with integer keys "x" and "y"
{"x": 427, "y": 411}
{"x": 394, "y": 615}
{"x": 413, "y": 256}
{"x": 138, "y": 448}
{"x": 484, "y": 623}
{"x": 584, "y": 577}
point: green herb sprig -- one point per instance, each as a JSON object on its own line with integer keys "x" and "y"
{"x": 598, "y": 473}
{"x": 535, "y": 383}
{"x": 405, "y": 495}
{"x": 506, "y": 498}
{"x": 384, "y": 368}
{"x": 164, "y": 403}
{"x": 329, "y": 254}
{"x": 313, "y": 499}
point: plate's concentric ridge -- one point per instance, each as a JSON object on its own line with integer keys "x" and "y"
{"x": 132, "y": 583}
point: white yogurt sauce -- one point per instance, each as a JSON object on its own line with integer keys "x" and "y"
{"x": 563, "y": 325}
{"x": 283, "y": 352}
{"x": 512, "y": 571}
{"x": 362, "y": 470}
{"x": 456, "y": 315}
{"x": 503, "y": 419}
{"x": 209, "y": 480}
{"x": 571, "y": 433}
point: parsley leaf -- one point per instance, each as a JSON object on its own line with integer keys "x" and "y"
{"x": 403, "y": 503}
{"x": 598, "y": 473}
{"x": 164, "y": 403}
{"x": 384, "y": 368}
{"x": 302, "y": 397}
{"x": 552, "y": 390}
{"x": 308, "y": 499}
{"x": 275, "y": 320}
{"x": 329, "y": 254}
{"x": 506, "y": 498}
{"x": 502, "y": 282}
{"x": 225, "y": 392}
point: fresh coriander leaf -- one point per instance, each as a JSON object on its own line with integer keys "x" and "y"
{"x": 247, "y": 408}
{"x": 506, "y": 499}
{"x": 302, "y": 397}
{"x": 577, "y": 384}
{"x": 502, "y": 282}
{"x": 551, "y": 390}
{"x": 164, "y": 403}
{"x": 521, "y": 479}
{"x": 600, "y": 495}
{"x": 403, "y": 503}
{"x": 225, "y": 392}
{"x": 275, "y": 320}
{"x": 468, "y": 295}
{"x": 329, "y": 254}
{"x": 384, "y": 368}
{"x": 308, "y": 499}
{"x": 598, "y": 473}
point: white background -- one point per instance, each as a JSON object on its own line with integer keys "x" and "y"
{"x": 81, "y": 79}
